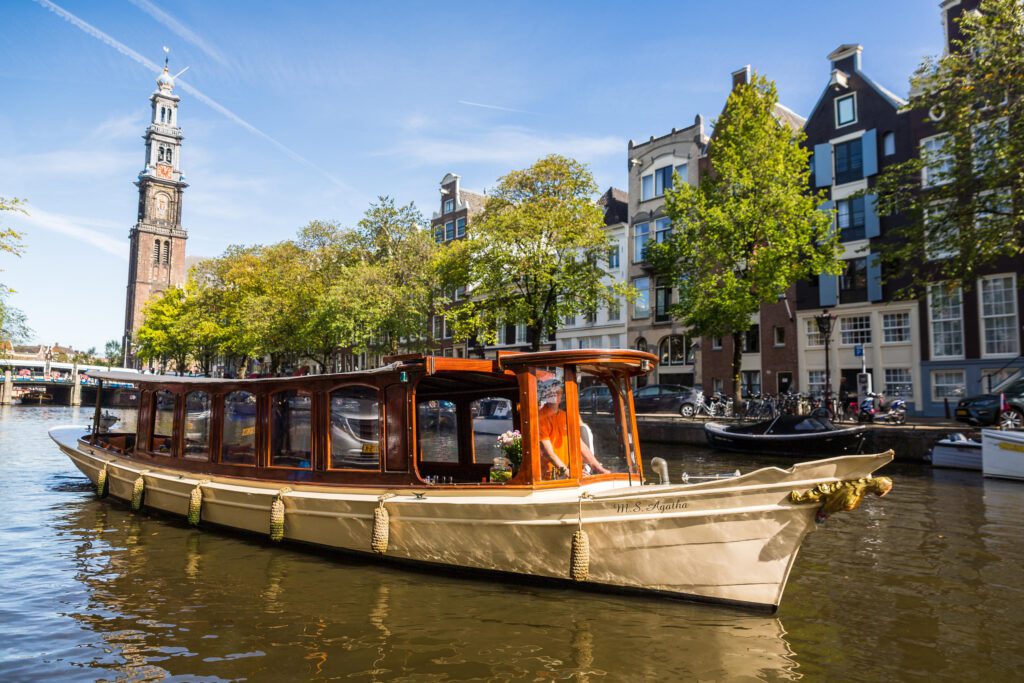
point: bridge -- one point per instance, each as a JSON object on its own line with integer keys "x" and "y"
{"x": 30, "y": 382}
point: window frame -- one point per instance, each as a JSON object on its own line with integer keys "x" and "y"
{"x": 906, "y": 329}
{"x": 983, "y": 318}
{"x": 937, "y": 160}
{"x": 853, "y": 173}
{"x": 449, "y": 206}
{"x": 837, "y": 103}
{"x": 639, "y": 247}
{"x": 931, "y": 323}
{"x": 948, "y": 371}
{"x": 270, "y": 430}
{"x": 256, "y": 455}
{"x": 645, "y": 295}
{"x": 211, "y": 402}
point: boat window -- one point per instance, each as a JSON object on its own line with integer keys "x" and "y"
{"x": 553, "y": 424}
{"x": 239, "y": 434}
{"x": 492, "y": 417}
{"x": 290, "y": 442}
{"x": 120, "y": 412}
{"x": 355, "y": 428}
{"x": 604, "y": 433}
{"x": 438, "y": 429}
{"x": 161, "y": 440}
{"x": 197, "y": 426}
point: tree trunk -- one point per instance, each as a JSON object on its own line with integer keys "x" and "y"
{"x": 737, "y": 363}
{"x": 534, "y": 335}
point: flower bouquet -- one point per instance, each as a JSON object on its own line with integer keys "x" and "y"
{"x": 511, "y": 444}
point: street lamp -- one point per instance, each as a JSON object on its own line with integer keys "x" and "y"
{"x": 826, "y": 321}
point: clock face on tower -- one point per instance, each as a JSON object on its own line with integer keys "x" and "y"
{"x": 163, "y": 171}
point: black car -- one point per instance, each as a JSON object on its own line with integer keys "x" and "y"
{"x": 596, "y": 399}
{"x": 984, "y": 409}
{"x": 665, "y": 398}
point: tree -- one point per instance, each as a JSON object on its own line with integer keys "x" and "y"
{"x": 165, "y": 335}
{"x": 113, "y": 353}
{"x": 13, "y": 324}
{"x": 533, "y": 255}
{"x": 963, "y": 201}
{"x": 750, "y": 229}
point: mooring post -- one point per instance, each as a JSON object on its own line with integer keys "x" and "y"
{"x": 76, "y": 386}
{"x": 7, "y": 395}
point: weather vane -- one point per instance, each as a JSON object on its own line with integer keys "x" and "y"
{"x": 167, "y": 55}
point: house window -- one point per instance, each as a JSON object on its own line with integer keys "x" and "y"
{"x": 449, "y": 231}
{"x": 672, "y": 350}
{"x": 647, "y": 187}
{"x": 988, "y": 137}
{"x": 460, "y": 227}
{"x": 752, "y": 339}
{"x": 846, "y": 110}
{"x": 613, "y": 257}
{"x": 716, "y": 343}
{"x": 439, "y": 233}
{"x": 662, "y": 230}
{"x": 662, "y": 301}
{"x": 895, "y": 328}
{"x": 853, "y": 283}
{"x": 642, "y": 304}
{"x": 849, "y": 161}
{"x": 899, "y": 382}
{"x": 855, "y": 329}
{"x": 641, "y": 233}
{"x": 662, "y": 180}
{"x": 751, "y": 383}
{"x": 940, "y": 235}
{"x": 999, "y": 315}
{"x": 460, "y": 293}
{"x": 779, "y": 336}
{"x": 614, "y": 306}
{"x": 683, "y": 171}
{"x": 850, "y": 216}
{"x": 521, "y": 336}
{"x": 449, "y": 205}
{"x": 717, "y": 385}
{"x": 569, "y": 320}
{"x": 814, "y": 336}
{"x": 816, "y": 382}
{"x": 938, "y": 163}
{"x": 945, "y": 313}
{"x": 889, "y": 144}
{"x": 438, "y": 327}
{"x": 590, "y": 316}
{"x": 947, "y": 384}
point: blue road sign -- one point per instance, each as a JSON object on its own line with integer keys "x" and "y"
{"x": 858, "y": 350}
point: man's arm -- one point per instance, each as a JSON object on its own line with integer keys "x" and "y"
{"x": 590, "y": 459}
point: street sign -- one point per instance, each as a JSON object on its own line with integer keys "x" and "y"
{"x": 858, "y": 350}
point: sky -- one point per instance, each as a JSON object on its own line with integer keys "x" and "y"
{"x": 310, "y": 110}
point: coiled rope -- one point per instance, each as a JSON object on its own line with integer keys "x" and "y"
{"x": 579, "y": 558}
{"x": 195, "y": 503}
{"x": 381, "y": 526}
{"x": 277, "y": 515}
{"x": 139, "y": 490}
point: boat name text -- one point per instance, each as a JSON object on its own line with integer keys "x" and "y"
{"x": 652, "y": 506}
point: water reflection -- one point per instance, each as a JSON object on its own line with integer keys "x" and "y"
{"x": 925, "y": 583}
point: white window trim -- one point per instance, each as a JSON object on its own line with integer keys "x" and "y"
{"x": 981, "y": 317}
{"x": 931, "y": 330}
{"x": 844, "y": 138}
{"x": 835, "y": 106}
{"x": 939, "y": 399}
{"x": 910, "y": 328}
{"x": 839, "y": 329}
{"x": 925, "y": 183}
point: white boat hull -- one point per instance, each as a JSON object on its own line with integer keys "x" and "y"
{"x": 1002, "y": 454}
{"x": 961, "y": 455}
{"x": 730, "y": 540}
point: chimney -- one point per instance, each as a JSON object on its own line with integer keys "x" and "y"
{"x": 846, "y": 57}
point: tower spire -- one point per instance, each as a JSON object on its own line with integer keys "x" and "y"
{"x": 167, "y": 56}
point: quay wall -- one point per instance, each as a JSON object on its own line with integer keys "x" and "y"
{"x": 911, "y": 442}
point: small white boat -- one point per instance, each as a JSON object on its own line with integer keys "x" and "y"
{"x": 958, "y": 452}
{"x": 1002, "y": 454}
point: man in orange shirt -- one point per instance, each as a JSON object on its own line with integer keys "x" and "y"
{"x": 554, "y": 437}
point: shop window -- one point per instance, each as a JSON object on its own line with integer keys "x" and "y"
{"x": 355, "y": 428}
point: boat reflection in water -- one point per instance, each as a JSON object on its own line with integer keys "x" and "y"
{"x": 395, "y": 463}
{"x": 168, "y": 600}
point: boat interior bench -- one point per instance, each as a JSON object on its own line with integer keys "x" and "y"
{"x": 459, "y": 472}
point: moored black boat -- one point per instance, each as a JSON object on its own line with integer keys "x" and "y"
{"x": 797, "y": 435}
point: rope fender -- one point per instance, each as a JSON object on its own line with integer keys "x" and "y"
{"x": 138, "y": 491}
{"x": 101, "y": 482}
{"x": 195, "y": 503}
{"x": 277, "y": 515}
{"x": 381, "y": 526}
{"x": 579, "y": 557}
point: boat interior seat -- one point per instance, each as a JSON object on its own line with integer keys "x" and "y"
{"x": 587, "y": 435}
{"x": 459, "y": 472}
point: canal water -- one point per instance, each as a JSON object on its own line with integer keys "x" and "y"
{"x": 925, "y": 584}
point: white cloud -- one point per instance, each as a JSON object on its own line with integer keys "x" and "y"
{"x": 182, "y": 31}
{"x": 503, "y": 145}
{"x": 75, "y": 227}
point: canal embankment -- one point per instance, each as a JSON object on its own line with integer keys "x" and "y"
{"x": 910, "y": 442}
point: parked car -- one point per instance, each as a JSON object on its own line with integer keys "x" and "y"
{"x": 665, "y": 398}
{"x": 984, "y": 409}
{"x": 596, "y": 399}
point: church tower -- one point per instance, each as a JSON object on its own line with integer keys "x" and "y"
{"x": 157, "y": 256}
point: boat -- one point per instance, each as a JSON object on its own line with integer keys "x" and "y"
{"x": 956, "y": 451}
{"x": 494, "y": 417}
{"x": 423, "y": 494}
{"x": 1002, "y": 454}
{"x": 37, "y": 396}
{"x": 789, "y": 435}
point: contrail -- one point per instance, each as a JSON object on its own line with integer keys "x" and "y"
{"x": 202, "y": 97}
{"x": 494, "y": 106}
{"x": 181, "y": 30}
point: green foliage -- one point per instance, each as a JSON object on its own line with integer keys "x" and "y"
{"x": 534, "y": 254}
{"x": 113, "y": 353}
{"x": 750, "y": 229}
{"x": 971, "y": 212}
{"x": 13, "y": 324}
